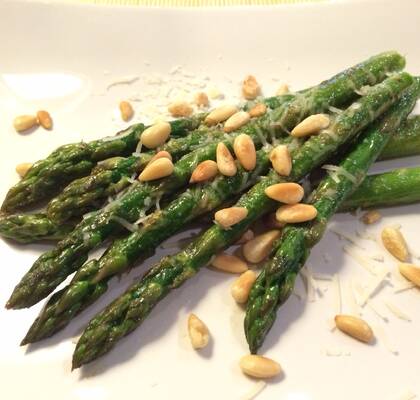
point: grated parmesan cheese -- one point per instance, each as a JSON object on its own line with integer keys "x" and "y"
{"x": 374, "y": 307}
{"x": 374, "y": 286}
{"x": 397, "y": 311}
{"x": 337, "y": 294}
{"x": 126, "y": 224}
{"x": 342, "y": 235}
{"x": 361, "y": 260}
{"x": 340, "y": 171}
{"x": 336, "y": 352}
{"x": 407, "y": 395}
{"x": 382, "y": 336}
{"x": 125, "y": 80}
{"x": 254, "y": 391}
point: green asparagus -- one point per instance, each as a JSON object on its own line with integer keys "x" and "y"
{"x": 394, "y": 188}
{"x": 34, "y": 227}
{"x": 129, "y": 310}
{"x": 91, "y": 280}
{"x": 275, "y": 284}
{"x": 54, "y": 266}
{"x": 48, "y": 176}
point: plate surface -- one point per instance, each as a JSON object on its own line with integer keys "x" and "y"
{"x": 62, "y": 57}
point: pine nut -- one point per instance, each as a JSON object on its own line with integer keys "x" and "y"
{"x": 180, "y": 109}
{"x": 295, "y": 213}
{"x": 126, "y": 110}
{"x": 24, "y": 122}
{"x": 258, "y": 110}
{"x": 236, "y": 121}
{"x": 44, "y": 119}
{"x": 161, "y": 154}
{"x": 242, "y": 286}
{"x": 311, "y": 125}
{"x": 394, "y": 242}
{"x": 246, "y": 237}
{"x": 260, "y": 247}
{"x": 371, "y": 217}
{"x": 220, "y": 114}
{"x": 281, "y": 160}
{"x": 410, "y": 272}
{"x": 23, "y": 168}
{"x": 198, "y": 332}
{"x": 283, "y": 89}
{"x": 250, "y": 88}
{"x": 156, "y": 135}
{"x": 201, "y": 99}
{"x": 228, "y": 263}
{"x": 355, "y": 327}
{"x": 230, "y": 216}
{"x": 287, "y": 193}
{"x": 204, "y": 171}
{"x": 225, "y": 161}
{"x": 259, "y": 366}
{"x": 244, "y": 149}
{"x": 157, "y": 169}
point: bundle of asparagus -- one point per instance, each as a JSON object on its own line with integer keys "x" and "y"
{"x": 285, "y": 140}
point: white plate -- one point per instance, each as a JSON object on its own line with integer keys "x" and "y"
{"x": 299, "y": 44}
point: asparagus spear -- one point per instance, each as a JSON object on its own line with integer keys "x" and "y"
{"x": 54, "y": 266}
{"x": 275, "y": 284}
{"x": 91, "y": 280}
{"x": 405, "y": 141}
{"x": 394, "y": 188}
{"x": 72, "y": 161}
{"x": 388, "y": 189}
{"x": 129, "y": 310}
{"x": 36, "y": 227}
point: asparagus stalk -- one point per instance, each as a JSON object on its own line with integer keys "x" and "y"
{"x": 405, "y": 141}
{"x": 30, "y": 228}
{"x": 91, "y": 280}
{"x": 275, "y": 284}
{"x": 394, "y": 188}
{"x": 54, "y": 266}
{"x": 48, "y": 176}
{"x": 129, "y": 310}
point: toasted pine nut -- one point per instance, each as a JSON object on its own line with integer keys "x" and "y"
{"x": 236, "y": 121}
{"x": 295, "y": 213}
{"x": 242, "y": 286}
{"x": 287, "y": 193}
{"x": 157, "y": 169}
{"x": 394, "y": 242}
{"x": 161, "y": 154}
{"x": 258, "y": 110}
{"x": 283, "y": 89}
{"x": 230, "y": 216}
{"x": 220, "y": 114}
{"x": 246, "y": 237}
{"x": 355, "y": 327}
{"x": 228, "y": 263}
{"x": 260, "y": 247}
{"x": 201, "y": 99}
{"x": 311, "y": 125}
{"x": 126, "y": 110}
{"x": 204, "y": 171}
{"x": 225, "y": 161}
{"x": 198, "y": 332}
{"x": 244, "y": 149}
{"x": 156, "y": 134}
{"x": 44, "y": 119}
{"x": 410, "y": 272}
{"x": 180, "y": 109}
{"x": 371, "y": 217}
{"x": 24, "y": 122}
{"x": 281, "y": 160}
{"x": 250, "y": 88}
{"x": 23, "y": 168}
{"x": 259, "y": 366}
{"x": 270, "y": 221}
